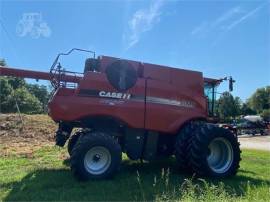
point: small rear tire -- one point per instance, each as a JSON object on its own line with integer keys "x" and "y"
{"x": 96, "y": 155}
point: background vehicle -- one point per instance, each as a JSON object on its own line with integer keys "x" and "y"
{"x": 252, "y": 125}
{"x": 141, "y": 109}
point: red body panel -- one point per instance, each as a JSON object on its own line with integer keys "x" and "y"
{"x": 72, "y": 106}
{"x": 164, "y": 98}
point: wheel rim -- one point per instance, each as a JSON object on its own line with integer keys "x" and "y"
{"x": 97, "y": 160}
{"x": 220, "y": 155}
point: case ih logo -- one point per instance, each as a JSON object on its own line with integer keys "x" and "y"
{"x": 104, "y": 94}
{"x": 114, "y": 95}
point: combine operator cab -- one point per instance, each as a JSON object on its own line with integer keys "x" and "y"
{"x": 210, "y": 92}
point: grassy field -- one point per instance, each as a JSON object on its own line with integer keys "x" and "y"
{"x": 46, "y": 176}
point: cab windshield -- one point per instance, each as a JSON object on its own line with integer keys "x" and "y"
{"x": 210, "y": 93}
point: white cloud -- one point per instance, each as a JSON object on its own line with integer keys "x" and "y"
{"x": 243, "y": 18}
{"x": 205, "y": 26}
{"x": 142, "y": 21}
{"x": 201, "y": 28}
{"x": 225, "y": 22}
{"x": 228, "y": 15}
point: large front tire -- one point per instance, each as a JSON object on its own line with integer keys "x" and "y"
{"x": 214, "y": 152}
{"x": 96, "y": 155}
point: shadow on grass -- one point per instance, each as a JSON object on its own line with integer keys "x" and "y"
{"x": 135, "y": 181}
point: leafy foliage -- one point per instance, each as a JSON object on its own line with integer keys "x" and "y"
{"x": 266, "y": 114}
{"x": 246, "y": 110}
{"x": 260, "y": 100}
{"x": 16, "y": 83}
{"x": 5, "y": 94}
{"x": 30, "y": 98}
{"x": 228, "y": 106}
{"x": 40, "y": 92}
{"x": 27, "y": 102}
{"x": 2, "y": 62}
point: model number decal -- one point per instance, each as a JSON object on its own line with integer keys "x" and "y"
{"x": 114, "y": 95}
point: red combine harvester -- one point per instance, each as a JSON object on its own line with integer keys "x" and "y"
{"x": 141, "y": 109}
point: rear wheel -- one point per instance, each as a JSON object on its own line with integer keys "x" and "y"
{"x": 95, "y": 156}
{"x": 220, "y": 156}
{"x": 214, "y": 152}
{"x": 181, "y": 146}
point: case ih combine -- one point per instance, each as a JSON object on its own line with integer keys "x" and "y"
{"x": 141, "y": 109}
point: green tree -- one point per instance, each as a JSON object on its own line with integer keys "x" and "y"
{"x": 2, "y": 62}
{"x": 228, "y": 106}
{"x": 27, "y": 102}
{"x": 30, "y": 98}
{"x": 246, "y": 110}
{"x": 16, "y": 82}
{"x": 237, "y": 105}
{"x": 5, "y": 94}
{"x": 260, "y": 100}
{"x": 40, "y": 92}
{"x": 5, "y": 89}
{"x": 9, "y": 97}
{"x": 266, "y": 114}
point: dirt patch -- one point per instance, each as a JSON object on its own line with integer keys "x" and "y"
{"x": 19, "y": 137}
{"x": 255, "y": 142}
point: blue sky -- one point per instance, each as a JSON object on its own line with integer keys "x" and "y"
{"x": 219, "y": 38}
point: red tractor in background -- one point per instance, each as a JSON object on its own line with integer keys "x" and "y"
{"x": 141, "y": 109}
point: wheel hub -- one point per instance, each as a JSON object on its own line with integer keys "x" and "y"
{"x": 220, "y": 155}
{"x": 97, "y": 160}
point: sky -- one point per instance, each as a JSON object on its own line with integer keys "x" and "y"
{"x": 218, "y": 38}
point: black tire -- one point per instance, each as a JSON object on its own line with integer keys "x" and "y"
{"x": 221, "y": 141}
{"x": 72, "y": 141}
{"x": 181, "y": 145}
{"x": 87, "y": 143}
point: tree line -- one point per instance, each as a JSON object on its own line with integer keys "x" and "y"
{"x": 229, "y": 107}
{"x": 16, "y": 94}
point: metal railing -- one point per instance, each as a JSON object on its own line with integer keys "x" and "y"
{"x": 58, "y": 72}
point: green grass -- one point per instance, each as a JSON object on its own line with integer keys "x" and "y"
{"x": 46, "y": 176}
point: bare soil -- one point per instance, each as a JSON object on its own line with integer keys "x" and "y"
{"x": 24, "y": 137}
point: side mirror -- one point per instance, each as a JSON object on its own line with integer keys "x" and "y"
{"x": 231, "y": 81}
